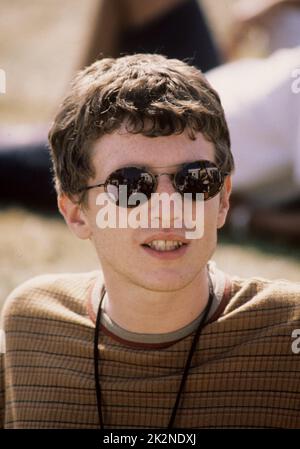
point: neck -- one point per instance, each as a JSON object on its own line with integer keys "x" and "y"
{"x": 141, "y": 310}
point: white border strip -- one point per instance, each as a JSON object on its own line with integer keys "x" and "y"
{"x": 2, "y": 342}
{"x": 2, "y": 82}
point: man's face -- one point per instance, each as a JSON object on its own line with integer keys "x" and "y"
{"x": 122, "y": 252}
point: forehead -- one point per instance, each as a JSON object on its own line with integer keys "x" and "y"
{"x": 120, "y": 149}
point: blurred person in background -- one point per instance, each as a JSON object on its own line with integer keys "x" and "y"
{"x": 277, "y": 20}
{"x": 176, "y": 28}
{"x": 261, "y": 98}
{"x": 262, "y": 103}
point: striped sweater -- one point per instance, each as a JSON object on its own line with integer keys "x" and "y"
{"x": 245, "y": 371}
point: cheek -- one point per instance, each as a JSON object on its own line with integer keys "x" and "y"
{"x": 114, "y": 246}
{"x": 211, "y": 212}
{"x": 112, "y": 241}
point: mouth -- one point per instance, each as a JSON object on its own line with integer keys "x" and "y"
{"x": 166, "y": 248}
{"x": 164, "y": 245}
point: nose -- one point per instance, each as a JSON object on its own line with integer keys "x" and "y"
{"x": 165, "y": 183}
{"x": 166, "y": 211}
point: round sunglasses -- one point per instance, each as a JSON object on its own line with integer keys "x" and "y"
{"x": 199, "y": 177}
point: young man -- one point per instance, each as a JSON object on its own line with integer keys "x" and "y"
{"x": 160, "y": 337}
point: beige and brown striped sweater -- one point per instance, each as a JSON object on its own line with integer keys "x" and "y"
{"x": 245, "y": 372}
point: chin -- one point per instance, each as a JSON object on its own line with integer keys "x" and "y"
{"x": 165, "y": 281}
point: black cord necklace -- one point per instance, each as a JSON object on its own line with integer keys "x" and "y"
{"x": 187, "y": 364}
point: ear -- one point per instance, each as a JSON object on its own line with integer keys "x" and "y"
{"x": 224, "y": 202}
{"x": 74, "y": 216}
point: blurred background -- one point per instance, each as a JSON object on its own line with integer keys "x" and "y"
{"x": 43, "y": 43}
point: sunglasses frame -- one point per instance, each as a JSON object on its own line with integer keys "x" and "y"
{"x": 171, "y": 175}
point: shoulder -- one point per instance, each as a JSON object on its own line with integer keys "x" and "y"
{"x": 49, "y": 295}
{"x": 273, "y": 298}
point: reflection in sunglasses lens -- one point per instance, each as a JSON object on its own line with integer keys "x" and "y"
{"x": 196, "y": 177}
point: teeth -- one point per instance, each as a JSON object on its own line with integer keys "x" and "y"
{"x": 165, "y": 245}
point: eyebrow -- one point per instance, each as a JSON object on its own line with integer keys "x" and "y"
{"x": 158, "y": 166}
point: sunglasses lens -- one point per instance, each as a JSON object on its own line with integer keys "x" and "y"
{"x": 199, "y": 177}
{"x": 130, "y": 186}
